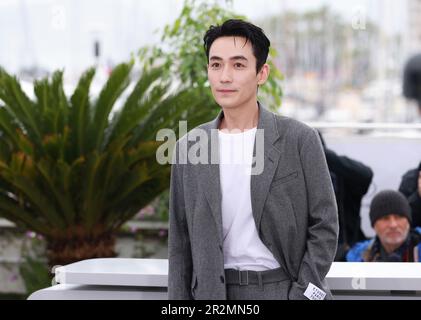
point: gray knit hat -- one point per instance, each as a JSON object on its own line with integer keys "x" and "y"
{"x": 389, "y": 202}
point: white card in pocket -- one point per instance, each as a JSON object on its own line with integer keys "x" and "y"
{"x": 314, "y": 293}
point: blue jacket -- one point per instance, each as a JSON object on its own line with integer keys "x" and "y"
{"x": 359, "y": 250}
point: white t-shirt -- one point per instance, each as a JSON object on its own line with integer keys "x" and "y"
{"x": 243, "y": 249}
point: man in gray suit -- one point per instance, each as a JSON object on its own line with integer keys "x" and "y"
{"x": 252, "y": 213}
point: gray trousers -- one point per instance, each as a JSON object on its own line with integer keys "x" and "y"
{"x": 267, "y": 291}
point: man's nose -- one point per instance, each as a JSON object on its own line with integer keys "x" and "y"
{"x": 226, "y": 75}
{"x": 393, "y": 222}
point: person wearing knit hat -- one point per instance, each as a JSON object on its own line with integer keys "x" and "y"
{"x": 395, "y": 241}
{"x": 389, "y": 202}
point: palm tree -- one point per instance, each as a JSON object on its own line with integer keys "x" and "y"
{"x": 73, "y": 171}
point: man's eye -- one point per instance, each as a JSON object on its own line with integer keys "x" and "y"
{"x": 215, "y": 65}
{"x": 239, "y": 65}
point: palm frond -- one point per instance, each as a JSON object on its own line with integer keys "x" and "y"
{"x": 116, "y": 84}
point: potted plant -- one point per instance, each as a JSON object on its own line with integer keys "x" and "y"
{"x": 72, "y": 172}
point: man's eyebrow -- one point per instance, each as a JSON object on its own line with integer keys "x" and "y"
{"x": 239, "y": 58}
{"x": 213, "y": 58}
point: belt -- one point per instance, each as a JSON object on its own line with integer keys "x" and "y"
{"x": 246, "y": 277}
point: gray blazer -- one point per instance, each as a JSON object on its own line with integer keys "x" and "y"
{"x": 293, "y": 205}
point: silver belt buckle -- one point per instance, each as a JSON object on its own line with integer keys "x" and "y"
{"x": 247, "y": 278}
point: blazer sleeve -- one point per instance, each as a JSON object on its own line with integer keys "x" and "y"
{"x": 179, "y": 250}
{"x": 323, "y": 228}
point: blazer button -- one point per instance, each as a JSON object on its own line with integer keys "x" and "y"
{"x": 222, "y": 279}
{"x": 220, "y": 248}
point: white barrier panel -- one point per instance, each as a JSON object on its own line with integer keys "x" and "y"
{"x": 146, "y": 279}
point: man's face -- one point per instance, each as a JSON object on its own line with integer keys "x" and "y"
{"x": 232, "y": 72}
{"x": 392, "y": 229}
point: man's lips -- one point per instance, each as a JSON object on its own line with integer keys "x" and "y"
{"x": 394, "y": 233}
{"x": 226, "y": 91}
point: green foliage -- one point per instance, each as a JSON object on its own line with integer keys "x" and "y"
{"x": 162, "y": 205}
{"x": 34, "y": 268}
{"x": 35, "y": 275}
{"x": 181, "y": 51}
{"x": 68, "y": 164}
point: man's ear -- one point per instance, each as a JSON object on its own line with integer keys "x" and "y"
{"x": 263, "y": 74}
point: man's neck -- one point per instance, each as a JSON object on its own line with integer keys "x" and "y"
{"x": 241, "y": 118}
{"x": 389, "y": 248}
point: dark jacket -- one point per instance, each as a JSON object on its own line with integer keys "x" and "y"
{"x": 409, "y": 187}
{"x": 351, "y": 180}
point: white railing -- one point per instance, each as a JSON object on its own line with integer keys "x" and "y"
{"x": 146, "y": 279}
{"x": 364, "y": 125}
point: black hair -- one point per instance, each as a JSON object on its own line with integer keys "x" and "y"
{"x": 412, "y": 79}
{"x": 239, "y": 28}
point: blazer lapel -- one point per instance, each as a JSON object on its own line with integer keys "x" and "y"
{"x": 260, "y": 183}
{"x": 211, "y": 178}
